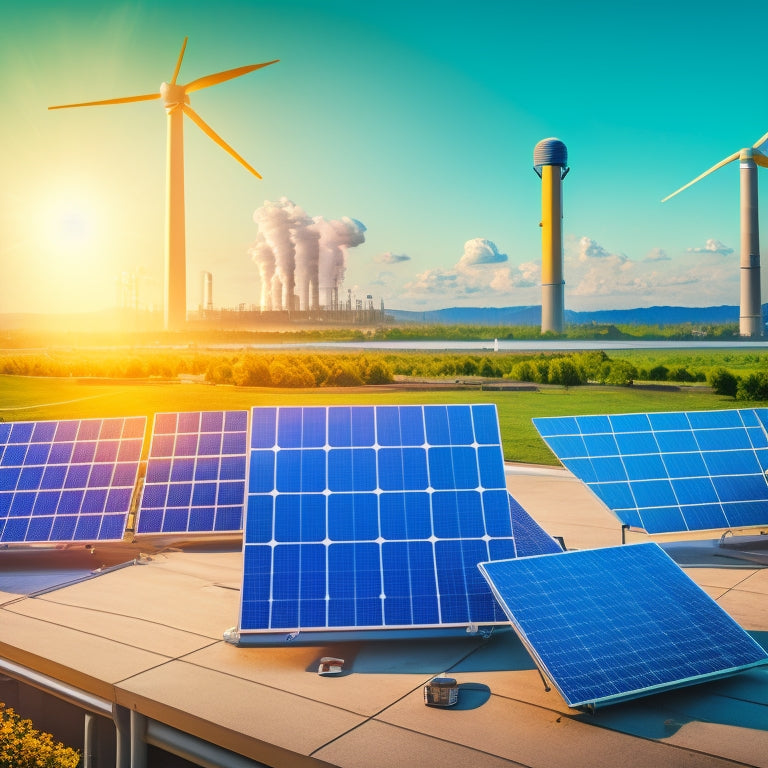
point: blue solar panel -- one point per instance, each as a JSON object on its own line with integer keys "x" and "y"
{"x": 195, "y": 481}
{"x": 670, "y": 472}
{"x": 530, "y": 537}
{"x": 72, "y": 480}
{"x": 607, "y": 625}
{"x": 372, "y": 518}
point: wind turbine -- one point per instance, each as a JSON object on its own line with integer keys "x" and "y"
{"x": 176, "y": 102}
{"x": 751, "y": 310}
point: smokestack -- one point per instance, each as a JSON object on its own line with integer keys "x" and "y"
{"x": 206, "y": 291}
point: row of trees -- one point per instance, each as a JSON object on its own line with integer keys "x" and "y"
{"x": 335, "y": 369}
{"x": 280, "y": 370}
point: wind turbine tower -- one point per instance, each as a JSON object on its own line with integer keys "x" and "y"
{"x": 550, "y": 161}
{"x": 750, "y": 306}
{"x": 176, "y": 102}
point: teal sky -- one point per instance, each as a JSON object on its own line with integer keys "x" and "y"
{"x": 417, "y": 119}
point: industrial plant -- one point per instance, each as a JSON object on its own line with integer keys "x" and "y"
{"x": 348, "y": 311}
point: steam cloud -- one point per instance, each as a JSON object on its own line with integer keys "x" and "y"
{"x": 298, "y": 254}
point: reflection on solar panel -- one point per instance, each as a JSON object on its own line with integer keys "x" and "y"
{"x": 530, "y": 537}
{"x": 664, "y": 472}
{"x": 607, "y": 625}
{"x": 372, "y": 518}
{"x": 195, "y": 480}
{"x": 68, "y": 480}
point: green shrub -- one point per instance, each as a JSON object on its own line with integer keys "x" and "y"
{"x": 723, "y": 382}
{"x": 753, "y": 387}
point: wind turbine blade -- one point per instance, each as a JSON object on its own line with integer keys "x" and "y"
{"x": 729, "y": 159}
{"x": 206, "y": 129}
{"x": 760, "y": 159}
{"x": 760, "y": 141}
{"x": 123, "y": 100}
{"x": 178, "y": 63}
{"x": 220, "y": 77}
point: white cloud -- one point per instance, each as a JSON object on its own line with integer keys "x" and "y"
{"x": 527, "y": 275}
{"x": 391, "y": 258}
{"x": 480, "y": 251}
{"x": 713, "y": 246}
{"x": 597, "y": 278}
{"x": 382, "y": 279}
{"x": 657, "y": 254}
{"x": 500, "y": 285}
{"x": 591, "y": 250}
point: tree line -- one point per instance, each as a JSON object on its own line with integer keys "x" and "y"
{"x": 746, "y": 378}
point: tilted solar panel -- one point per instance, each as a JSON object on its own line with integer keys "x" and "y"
{"x": 195, "y": 481}
{"x": 530, "y": 537}
{"x": 70, "y": 480}
{"x": 608, "y": 625}
{"x": 669, "y": 472}
{"x": 372, "y": 518}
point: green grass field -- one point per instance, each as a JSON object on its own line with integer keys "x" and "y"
{"x": 36, "y": 399}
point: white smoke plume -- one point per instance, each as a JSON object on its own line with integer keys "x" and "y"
{"x": 262, "y": 255}
{"x": 336, "y": 235}
{"x": 295, "y": 252}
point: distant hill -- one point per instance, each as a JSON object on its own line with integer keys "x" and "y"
{"x": 122, "y": 320}
{"x": 531, "y": 315}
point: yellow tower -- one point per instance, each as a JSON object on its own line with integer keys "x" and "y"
{"x": 550, "y": 161}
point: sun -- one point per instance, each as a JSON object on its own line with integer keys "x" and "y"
{"x": 70, "y": 226}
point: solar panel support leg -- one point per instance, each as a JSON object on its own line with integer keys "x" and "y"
{"x": 624, "y": 529}
{"x": 543, "y": 679}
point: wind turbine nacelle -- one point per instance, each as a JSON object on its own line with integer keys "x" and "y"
{"x": 173, "y": 95}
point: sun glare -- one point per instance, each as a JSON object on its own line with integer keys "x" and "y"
{"x": 70, "y": 226}
{"x": 75, "y": 266}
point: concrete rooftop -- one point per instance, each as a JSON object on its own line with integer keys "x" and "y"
{"x": 148, "y": 637}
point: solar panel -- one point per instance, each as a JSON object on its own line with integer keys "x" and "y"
{"x": 608, "y": 625}
{"x": 195, "y": 481}
{"x": 670, "y": 472}
{"x": 70, "y": 480}
{"x": 372, "y": 519}
{"x": 530, "y": 537}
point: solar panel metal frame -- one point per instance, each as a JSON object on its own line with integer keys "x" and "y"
{"x": 195, "y": 475}
{"x": 396, "y": 460}
{"x": 687, "y": 471}
{"x": 68, "y": 481}
{"x": 576, "y": 613}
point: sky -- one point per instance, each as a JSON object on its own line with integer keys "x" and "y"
{"x": 415, "y": 121}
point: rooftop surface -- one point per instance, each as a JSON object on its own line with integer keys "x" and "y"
{"x": 149, "y": 636}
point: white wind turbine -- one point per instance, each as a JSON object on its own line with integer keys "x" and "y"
{"x": 176, "y": 102}
{"x": 751, "y": 310}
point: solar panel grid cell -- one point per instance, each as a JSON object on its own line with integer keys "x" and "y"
{"x": 68, "y": 480}
{"x": 342, "y": 499}
{"x": 612, "y": 624}
{"x": 195, "y": 479}
{"x": 675, "y": 472}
